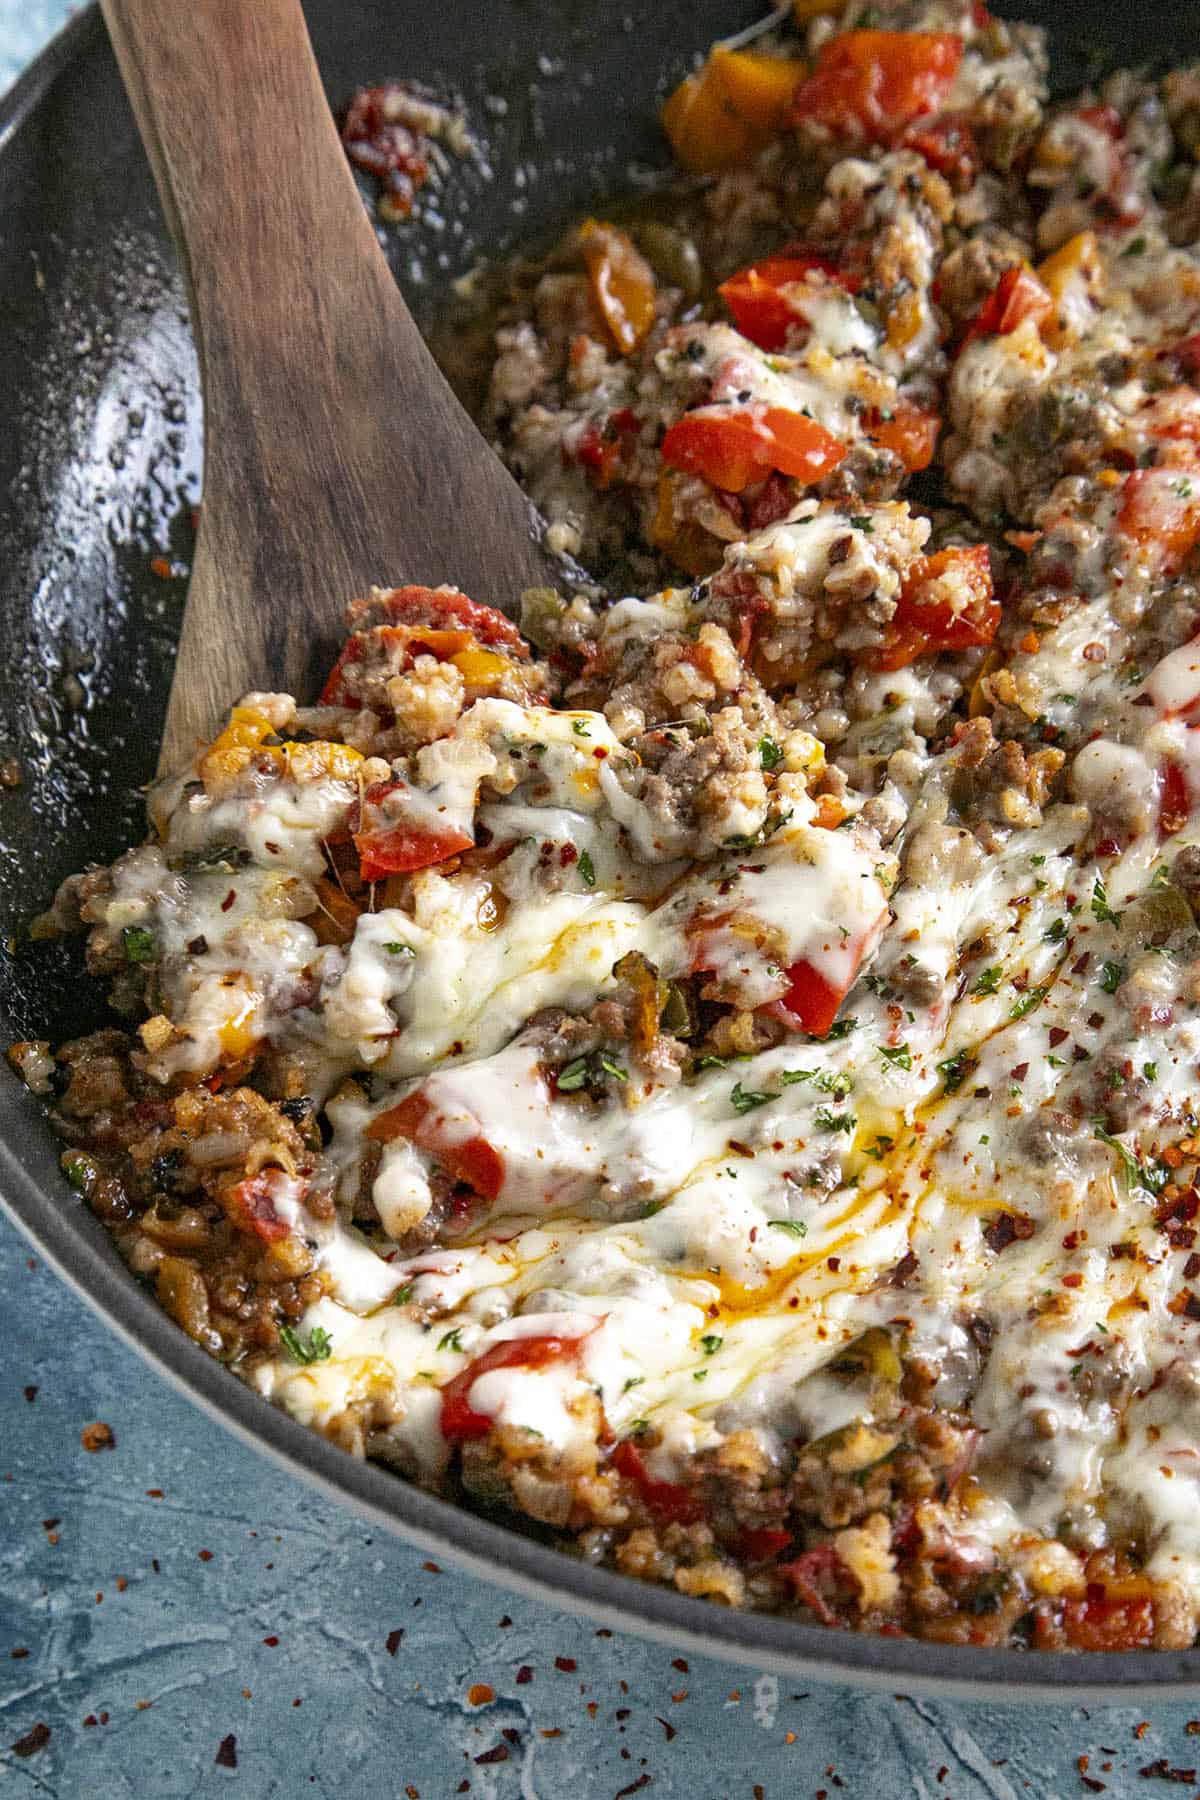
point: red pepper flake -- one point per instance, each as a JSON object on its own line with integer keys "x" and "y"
{"x": 505, "y": 1622}
{"x": 1092, "y": 1785}
{"x": 271, "y": 1642}
{"x": 432, "y": 1568}
{"x": 143, "y": 1705}
{"x": 1192, "y": 1727}
{"x": 552, "y": 1731}
{"x": 681, "y": 1663}
{"x": 604, "y": 1632}
{"x": 154, "y": 1494}
{"x": 681, "y": 1695}
{"x": 464, "y": 1786}
{"x": 524, "y": 1675}
{"x": 35, "y": 1739}
{"x": 760, "y": 1792}
{"x": 592, "y": 1708}
{"x": 30, "y": 1393}
{"x": 498, "y": 1754}
{"x": 511, "y": 1734}
{"x": 480, "y": 1693}
{"x": 566, "y": 1664}
{"x": 90, "y": 1721}
{"x": 98, "y": 1436}
{"x": 668, "y": 1728}
{"x": 19, "y": 1653}
{"x": 122, "y": 1584}
{"x": 635, "y": 1787}
{"x": 943, "y": 1772}
{"x": 413, "y": 1792}
{"x": 49, "y": 1524}
{"x": 1162, "y": 1771}
{"x": 161, "y": 566}
{"x": 205, "y": 1555}
{"x": 229, "y": 899}
{"x": 226, "y": 1757}
{"x": 393, "y": 1640}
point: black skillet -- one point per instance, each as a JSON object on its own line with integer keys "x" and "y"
{"x": 99, "y": 465}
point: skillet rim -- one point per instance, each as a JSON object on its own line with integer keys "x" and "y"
{"x": 90, "y": 1265}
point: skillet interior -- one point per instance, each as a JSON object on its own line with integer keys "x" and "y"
{"x": 99, "y": 465}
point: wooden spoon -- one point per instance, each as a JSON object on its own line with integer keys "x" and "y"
{"x": 335, "y": 455}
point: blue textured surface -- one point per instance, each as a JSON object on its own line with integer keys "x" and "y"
{"x": 177, "y": 1591}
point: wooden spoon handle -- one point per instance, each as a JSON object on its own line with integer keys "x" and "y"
{"x": 335, "y": 453}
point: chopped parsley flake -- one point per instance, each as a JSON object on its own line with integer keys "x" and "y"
{"x": 898, "y": 1055}
{"x": 711, "y": 1344}
{"x": 1100, "y": 907}
{"x": 1151, "y": 1176}
{"x": 770, "y": 755}
{"x": 989, "y": 981}
{"x": 579, "y": 727}
{"x": 1111, "y": 976}
{"x": 1150, "y": 1071}
{"x": 138, "y": 944}
{"x": 794, "y": 1227}
{"x": 1055, "y": 933}
{"x": 403, "y": 1295}
{"x": 1025, "y": 1003}
{"x": 587, "y": 869}
{"x": 953, "y": 1070}
{"x": 451, "y": 1340}
{"x": 831, "y": 1121}
{"x": 862, "y": 522}
{"x": 394, "y": 949}
{"x": 317, "y": 1347}
{"x": 744, "y": 1100}
{"x": 842, "y": 1028}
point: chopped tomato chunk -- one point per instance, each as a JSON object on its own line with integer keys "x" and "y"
{"x": 819, "y": 1564}
{"x": 1174, "y": 801}
{"x": 387, "y": 848}
{"x": 760, "y": 298}
{"x": 911, "y": 433}
{"x": 622, "y": 283}
{"x": 670, "y": 1502}
{"x": 763, "y": 1543}
{"x": 1161, "y": 507}
{"x": 874, "y": 83}
{"x": 1018, "y": 296}
{"x": 732, "y": 449}
{"x": 471, "y": 1160}
{"x": 459, "y": 1420}
{"x": 446, "y": 608}
{"x": 250, "y": 1207}
{"x": 930, "y": 616}
{"x": 600, "y": 443}
{"x": 1104, "y": 1621}
{"x": 812, "y": 999}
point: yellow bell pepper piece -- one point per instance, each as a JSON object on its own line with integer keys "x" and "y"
{"x": 480, "y": 668}
{"x": 236, "y": 746}
{"x": 730, "y": 109}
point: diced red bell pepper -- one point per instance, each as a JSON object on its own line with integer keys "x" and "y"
{"x": 459, "y": 1420}
{"x": 1018, "y": 296}
{"x": 1185, "y": 355}
{"x": 874, "y": 83}
{"x": 1101, "y": 1621}
{"x": 812, "y": 999}
{"x": 471, "y": 1160}
{"x": 759, "y": 298}
{"x": 386, "y": 848}
{"x": 948, "y": 145}
{"x": 250, "y": 1207}
{"x": 1162, "y": 507}
{"x": 924, "y": 624}
{"x": 911, "y": 432}
{"x": 731, "y": 449}
{"x": 669, "y": 1501}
